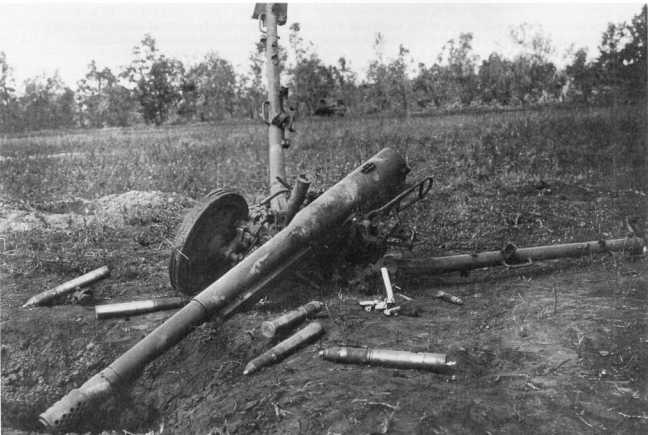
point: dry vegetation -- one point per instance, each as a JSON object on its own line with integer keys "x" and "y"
{"x": 530, "y": 177}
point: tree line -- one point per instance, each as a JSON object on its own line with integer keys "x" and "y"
{"x": 157, "y": 89}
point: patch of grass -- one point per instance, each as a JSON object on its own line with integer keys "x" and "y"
{"x": 497, "y": 175}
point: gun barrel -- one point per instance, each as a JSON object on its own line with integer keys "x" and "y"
{"x": 67, "y": 287}
{"x": 270, "y": 328}
{"x": 388, "y": 357}
{"x": 304, "y": 335}
{"x": 378, "y": 179}
{"x": 125, "y": 309}
{"x": 515, "y": 256}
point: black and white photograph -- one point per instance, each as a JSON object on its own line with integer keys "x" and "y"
{"x": 330, "y": 218}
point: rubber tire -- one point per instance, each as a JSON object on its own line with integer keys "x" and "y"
{"x": 197, "y": 258}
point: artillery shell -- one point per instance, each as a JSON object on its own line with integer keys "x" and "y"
{"x": 67, "y": 287}
{"x": 287, "y": 321}
{"x": 304, "y": 335}
{"x": 126, "y": 309}
{"x": 449, "y": 298}
{"x": 387, "y": 357}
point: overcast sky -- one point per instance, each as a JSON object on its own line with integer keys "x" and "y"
{"x": 43, "y": 37}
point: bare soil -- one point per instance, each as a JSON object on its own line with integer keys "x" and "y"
{"x": 558, "y": 347}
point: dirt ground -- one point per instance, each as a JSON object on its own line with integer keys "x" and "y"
{"x": 558, "y": 347}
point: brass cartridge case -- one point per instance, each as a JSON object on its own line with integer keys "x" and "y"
{"x": 271, "y": 328}
{"x": 388, "y": 357}
{"x": 126, "y": 309}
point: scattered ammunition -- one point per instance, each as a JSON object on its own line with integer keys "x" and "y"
{"x": 67, "y": 287}
{"x": 289, "y": 320}
{"x": 388, "y": 287}
{"x": 387, "y": 357}
{"x": 304, "y": 335}
{"x": 448, "y": 298}
{"x": 243, "y": 284}
{"x": 127, "y": 309}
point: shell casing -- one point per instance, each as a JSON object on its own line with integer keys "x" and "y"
{"x": 270, "y": 328}
{"x": 304, "y": 335}
{"x": 67, "y": 287}
{"x": 388, "y": 357}
{"x": 449, "y": 298}
{"x": 126, "y": 309}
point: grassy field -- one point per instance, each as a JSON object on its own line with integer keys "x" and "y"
{"x": 477, "y": 162}
{"x": 504, "y": 148}
{"x": 535, "y": 177}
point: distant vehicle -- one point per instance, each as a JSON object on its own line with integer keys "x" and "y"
{"x": 330, "y": 107}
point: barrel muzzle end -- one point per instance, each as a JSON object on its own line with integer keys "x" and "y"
{"x": 64, "y": 413}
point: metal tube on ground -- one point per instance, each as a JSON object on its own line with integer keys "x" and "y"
{"x": 374, "y": 182}
{"x": 388, "y": 287}
{"x": 127, "y": 309}
{"x": 452, "y": 263}
{"x": 387, "y": 357}
{"x": 67, "y": 287}
{"x": 304, "y": 335}
{"x": 287, "y": 321}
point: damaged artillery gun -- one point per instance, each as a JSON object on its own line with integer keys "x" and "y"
{"x": 227, "y": 254}
{"x": 319, "y": 224}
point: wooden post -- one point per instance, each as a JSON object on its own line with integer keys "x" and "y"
{"x": 276, "y": 166}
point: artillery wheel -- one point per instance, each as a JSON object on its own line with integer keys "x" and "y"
{"x": 199, "y": 256}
